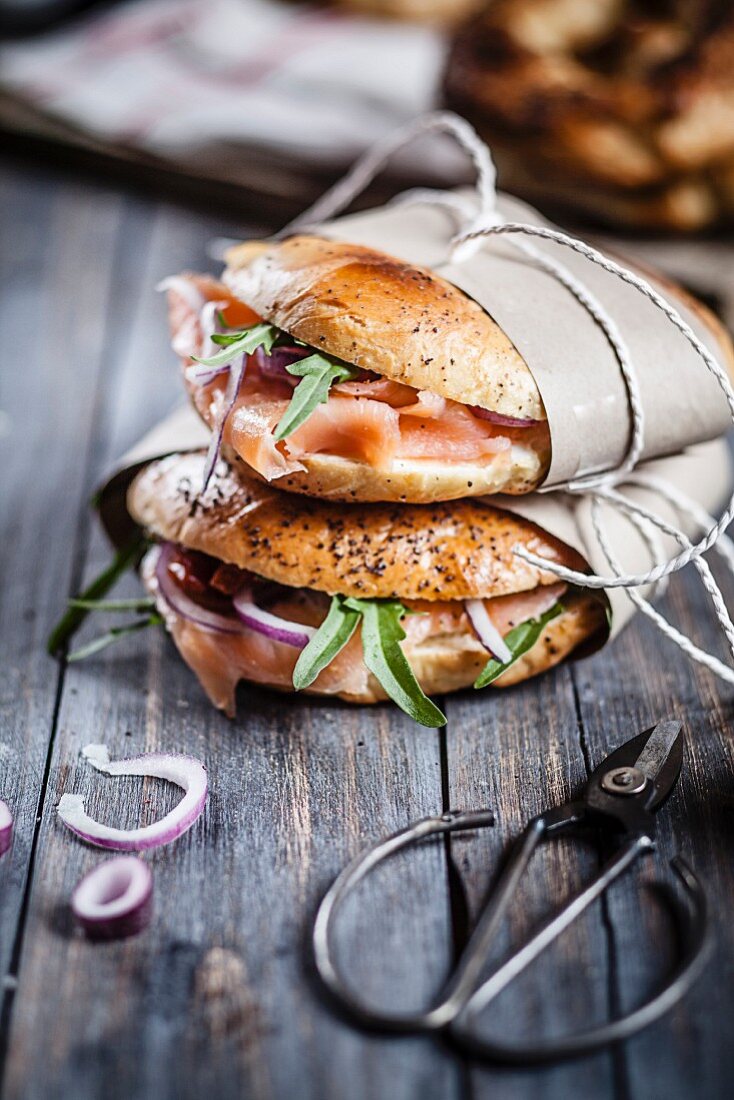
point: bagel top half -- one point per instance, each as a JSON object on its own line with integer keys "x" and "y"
{"x": 385, "y": 315}
{"x": 454, "y": 551}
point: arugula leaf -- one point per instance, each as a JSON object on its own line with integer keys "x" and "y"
{"x": 520, "y": 639}
{"x": 331, "y": 637}
{"x": 143, "y": 603}
{"x": 259, "y": 335}
{"x": 384, "y": 657}
{"x": 127, "y": 558}
{"x": 318, "y": 372}
{"x": 111, "y": 636}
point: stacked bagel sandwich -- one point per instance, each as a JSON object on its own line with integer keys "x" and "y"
{"x": 336, "y": 538}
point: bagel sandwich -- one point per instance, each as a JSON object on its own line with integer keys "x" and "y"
{"x": 382, "y": 600}
{"x": 340, "y": 372}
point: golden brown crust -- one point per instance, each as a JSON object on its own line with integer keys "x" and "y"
{"x": 387, "y": 316}
{"x": 456, "y": 551}
{"x": 605, "y": 104}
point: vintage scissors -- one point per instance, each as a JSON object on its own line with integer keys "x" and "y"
{"x": 621, "y": 799}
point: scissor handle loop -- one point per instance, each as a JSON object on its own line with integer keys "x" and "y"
{"x": 692, "y": 918}
{"x": 323, "y": 930}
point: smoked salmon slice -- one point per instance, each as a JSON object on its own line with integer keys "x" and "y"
{"x": 221, "y": 660}
{"x": 375, "y": 421}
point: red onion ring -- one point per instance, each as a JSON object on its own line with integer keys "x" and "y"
{"x": 184, "y": 771}
{"x": 203, "y": 375}
{"x": 248, "y": 614}
{"x": 6, "y": 828}
{"x": 274, "y": 365}
{"x": 486, "y": 631}
{"x": 115, "y": 899}
{"x": 209, "y": 321}
{"x": 271, "y": 626}
{"x": 236, "y": 374}
{"x": 503, "y": 421}
{"x": 182, "y": 604}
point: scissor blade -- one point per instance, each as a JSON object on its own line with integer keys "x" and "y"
{"x": 658, "y": 748}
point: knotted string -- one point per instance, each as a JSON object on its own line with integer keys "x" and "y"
{"x": 485, "y": 222}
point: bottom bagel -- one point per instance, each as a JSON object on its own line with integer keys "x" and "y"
{"x": 363, "y": 602}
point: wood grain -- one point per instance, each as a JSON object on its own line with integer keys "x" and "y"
{"x": 46, "y": 426}
{"x": 521, "y": 751}
{"x": 218, "y": 996}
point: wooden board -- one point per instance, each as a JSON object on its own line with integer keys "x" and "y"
{"x": 219, "y": 997}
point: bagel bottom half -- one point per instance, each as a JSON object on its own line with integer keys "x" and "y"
{"x": 293, "y": 555}
{"x": 442, "y": 662}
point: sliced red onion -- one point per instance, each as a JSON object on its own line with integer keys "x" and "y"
{"x": 209, "y": 321}
{"x": 503, "y": 421}
{"x": 184, "y": 771}
{"x": 271, "y": 626}
{"x": 236, "y": 374}
{"x": 274, "y": 365}
{"x": 185, "y": 288}
{"x": 115, "y": 899}
{"x": 203, "y": 375}
{"x": 487, "y": 632}
{"x": 6, "y": 828}
{"x": 183, "y": 605}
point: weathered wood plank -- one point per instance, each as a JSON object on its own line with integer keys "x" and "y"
{"x": 51, "y": 317}
{"x": 642, "y": 678}
{"x": 217, "y": 995}
{"x": 520, "y": 752}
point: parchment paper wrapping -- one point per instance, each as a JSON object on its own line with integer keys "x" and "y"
{"x": 577, "y": 374}
{"x": 573, "y": 364}
{"x": 703, "y": 472}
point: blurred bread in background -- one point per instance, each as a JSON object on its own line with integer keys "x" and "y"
{"x": 621, "y": 109}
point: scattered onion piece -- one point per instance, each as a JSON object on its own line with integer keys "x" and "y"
{"x": 115, "y": 899}
{"x": 184, "y": 771}
{"x": 271, "y": 626}
{"x": 487, "y": 632}
{"x": 6, "y": 828}
{"x": 503, "y": 421}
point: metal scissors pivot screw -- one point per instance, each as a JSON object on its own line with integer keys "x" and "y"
{"x": 621, "y": 798}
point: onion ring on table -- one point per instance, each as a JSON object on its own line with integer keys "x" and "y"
{"x": 115, "y": 899}
{"x": 6, "y": 828}
{"x": 184, "y": 771}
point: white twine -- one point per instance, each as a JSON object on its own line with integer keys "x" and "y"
{"x": 487, "y": 222}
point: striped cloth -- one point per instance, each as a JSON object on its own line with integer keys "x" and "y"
{"x": 230, "y": 90}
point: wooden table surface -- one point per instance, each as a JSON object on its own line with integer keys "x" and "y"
{"x": 217, "y": 998}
